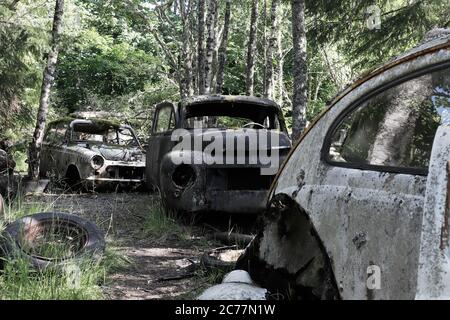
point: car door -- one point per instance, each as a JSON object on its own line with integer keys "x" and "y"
{"x": 45, "y": 165}
{"x": 434, "y": 258}
{"x": 159, "y": 142}
{"x": 59, "y": 150}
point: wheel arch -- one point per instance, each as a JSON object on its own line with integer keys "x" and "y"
{"x": 288, "y": 256}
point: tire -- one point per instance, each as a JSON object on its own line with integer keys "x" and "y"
{"x": 89, "y": 241}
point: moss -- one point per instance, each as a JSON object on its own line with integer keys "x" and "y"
{"x": 100, "y": 123}
{"x": 103, "y": 123}
{"x": 61, "y": 120}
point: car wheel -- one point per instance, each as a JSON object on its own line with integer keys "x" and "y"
{"x": 73, "y": 179}
{"x": 52, "y": 239}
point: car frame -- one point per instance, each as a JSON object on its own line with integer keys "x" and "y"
{"x": 204, "y": 193}
{"x": 351, "y": 230}
{"x": 79, "y": 166}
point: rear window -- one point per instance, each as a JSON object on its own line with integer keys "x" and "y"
{"x": 395, "y": 128}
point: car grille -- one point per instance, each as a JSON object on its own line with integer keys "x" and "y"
{"x": 117, "y": 172}
{"x": 238, "y": 179}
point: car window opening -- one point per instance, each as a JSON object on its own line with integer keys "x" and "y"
{"x": 396, "y": 128}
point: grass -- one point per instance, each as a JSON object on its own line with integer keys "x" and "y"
{"x": 162, "y": 226}
{"x": 79, "y": 279}
{"x": 204, "y": 279}
{"x": 212, "y": 276}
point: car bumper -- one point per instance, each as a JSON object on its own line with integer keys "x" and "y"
{"x": 229, "y": 201}
{"x": 109, "y": 180}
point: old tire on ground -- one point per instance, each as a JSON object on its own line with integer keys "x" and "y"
{"x": 73, "y": 238}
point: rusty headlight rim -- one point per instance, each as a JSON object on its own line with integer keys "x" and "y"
{"x": 183, "y": 176}
{"x": 97, "y": 162}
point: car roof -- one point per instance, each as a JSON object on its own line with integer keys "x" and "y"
{"x": 217, "y": 99}
{"x": 71, "y": 121}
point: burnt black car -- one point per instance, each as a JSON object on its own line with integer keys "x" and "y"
{"x": 216, "y": 153}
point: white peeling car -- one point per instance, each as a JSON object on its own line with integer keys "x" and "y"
{"x": 360, "y": 209}
{"x": 92, "y": 153}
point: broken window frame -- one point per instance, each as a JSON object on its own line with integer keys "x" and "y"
{"x": 171, "y": 124}
{"x": 325, "y": 152}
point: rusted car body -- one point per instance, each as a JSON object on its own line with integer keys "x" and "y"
{"x": 360, "y": 208}
{"x": 235, "y": 186}
{"x": 92, "y": 153}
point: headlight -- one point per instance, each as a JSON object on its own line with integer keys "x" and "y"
{"x": 183, "y": 176}
{"x": 97, "y": 162}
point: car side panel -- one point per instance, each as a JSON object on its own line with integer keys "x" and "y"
{"x": 362, "y": 217}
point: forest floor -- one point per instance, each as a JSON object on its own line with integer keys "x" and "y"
{"x": 161, "y": 254}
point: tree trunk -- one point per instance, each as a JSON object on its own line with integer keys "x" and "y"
{"x": 271, "y": 50}
{"x": 175, "y": 7}
{"x": 186, "y": 87}
{"x": 223, "y": 48}
{"x": 211, "y": 21}
{"x": 47, "y": 82}
{"x": 251, "y": 51}
{"x": 278, "y": 96}
{"x": 264, "y": 46}
{"x": 2, "y": 208}
{"x": 396, "y": 132}
{"x": 300, "y": 68}
{"x": 200, "y": 46}
{"x": 13, "y": 5}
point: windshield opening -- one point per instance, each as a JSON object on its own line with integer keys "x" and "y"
{"x": 88, "y": 133}
{"x": 232, "y": 116}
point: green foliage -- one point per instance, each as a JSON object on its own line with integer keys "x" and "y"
{"x": 403, "y": 25}
{"x": 111, "y": 60}
{"x": 94, "y": 64}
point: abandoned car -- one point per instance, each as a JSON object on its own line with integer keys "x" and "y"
{"x": 360, "y": 208}
{"x": 216, "y": 153}
{"x": 92, "y": 153}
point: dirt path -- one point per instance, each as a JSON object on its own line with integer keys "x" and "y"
{"x": 122, "y": 218}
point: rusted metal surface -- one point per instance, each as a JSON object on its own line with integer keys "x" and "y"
{"x": 434, "y": 262}
{"x": 444, "y": 229}
{"x": 228, "y": 187}
{"x": 364, "y": 219}
{"x": 93, "y": 162}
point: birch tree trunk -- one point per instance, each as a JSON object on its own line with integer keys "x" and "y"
{"x": 186, "y": 86}
{"x": 211, "y": 21}
{"x": 396, "y": 132}
{"x": 223, "y": 48}
{"x": 251, "y": 50}
{"x": 300, "y": 68}
{"x": 201, "y": 46}
{"x": 47, "y": 82}
{"x": 271, "y": 50}
{"x": 264, "y": 46}
{"x": 279, "y": 58}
